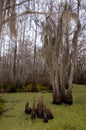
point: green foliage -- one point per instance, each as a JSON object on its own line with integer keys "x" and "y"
{"x": 39, "y": 87}
{"x": 9, "y": 88}
{"x": 6, "y": 87}
{"x": 42, "y": 88}
{"x": 28, "y": 88}
{"x": 1, "y": 100}
{"x": 65, "y": 117}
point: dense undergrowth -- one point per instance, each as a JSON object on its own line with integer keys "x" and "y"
{"x": 25, "y": 88}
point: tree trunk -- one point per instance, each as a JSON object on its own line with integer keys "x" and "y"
{"x": 14, "y": 68}
{"x": 69, "y": 98}
{"x": 55, "y": 84}
{"x": 34, "y": 89}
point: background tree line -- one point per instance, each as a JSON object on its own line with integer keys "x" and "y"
{"x": 26, "y": 27}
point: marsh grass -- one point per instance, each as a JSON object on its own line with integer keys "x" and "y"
{"x": 65, "y": 117}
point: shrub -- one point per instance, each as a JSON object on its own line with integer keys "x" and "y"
{"x": 7, "y": 87}
{"x": 1, "y": 105}
{"x": 38, "y": 87}
{"x": 1, "y": 100}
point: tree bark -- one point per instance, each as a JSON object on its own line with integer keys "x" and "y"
{"x": 55, "y": 84}
{"x": 34, "y": 89}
